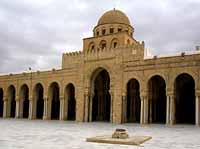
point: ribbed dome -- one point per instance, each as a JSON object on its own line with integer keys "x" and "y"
{"x": 114, "y": 16}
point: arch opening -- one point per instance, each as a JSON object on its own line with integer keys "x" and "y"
{"x": 101, "y": 99}
{"x": 71, "y": 106}
{"x": 185, "y": 99}
{"x": 157, "y": 100}
{"x": 39, "y": 100}
{"x": 11, "y": 101}
{"x": 24, "y": 101}
{"x": 133, "y": 101}
{"x": 1, "y": 102}
{"x": 55, "y": 101}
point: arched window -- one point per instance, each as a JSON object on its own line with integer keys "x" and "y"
{"x": 102, "y": 44}
{"x": 91, "y": 46}
{"x": 115, "y": 43}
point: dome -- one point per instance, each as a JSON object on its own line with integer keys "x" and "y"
{"x": 112, "y": 17}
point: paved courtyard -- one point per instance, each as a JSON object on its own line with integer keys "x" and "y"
{"x": 38, "y": 134}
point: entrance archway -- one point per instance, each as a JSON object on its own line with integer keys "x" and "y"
{"x": 133, "y": 101}
{"x": 101, "y": 100}
{"x": 71, "y": 106}
{"x": 1, "y": 102}
{"x": 11, "y": 101}
{"x": 24, "y": 101}
{"x": 157, "y": 100}
{"x": 39, "y": 100}
{"x": 185, "y": 99}
{"x": 55, "y": 101}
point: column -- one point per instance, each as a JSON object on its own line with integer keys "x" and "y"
{"x": 111, "y": 105}
{"x": 150, "y": 110}
{"x": 145, "y": 110}
{"x": 142, "y": 111}
{"x": 124, "y": 109}
{"x": 197, "y": 107}
{"x": 168, "y": 111}
{"x": 86, "y": 105}
{"x": 90, "y": 107}
{"x": 33, "y": 101}
{"x": 5, "y": 104}
{"x": 62, "y": 108}
{"x": 30, "y": 115}
{"x": 17, "y": 110}
{"x": 45, "y": 116}
{"x": 172, "y": 110}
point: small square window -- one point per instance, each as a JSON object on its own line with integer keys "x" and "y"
{"x": 119, "y": 29}
{"x": 103, "y": 32}
{"x": 111, "y": 30}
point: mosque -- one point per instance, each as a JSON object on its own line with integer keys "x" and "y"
{"x": 112, "y": 79}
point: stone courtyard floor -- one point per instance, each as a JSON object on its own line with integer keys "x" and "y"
{"x": 38, "y": 134}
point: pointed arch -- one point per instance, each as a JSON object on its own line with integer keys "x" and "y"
{"x": 54, "y": 93}
{"x": 38, "y": 94}
{"x": 24, "y": 101}
{"x": 11, "y": 94}
{"x": 157, "y": 99}
{"x": 184, "y": 90}
{"x": 103, "y": 44}
{"x": 71, "y": 101}
{"x": 133, "y": 101}
{"x": 100, "y": 96}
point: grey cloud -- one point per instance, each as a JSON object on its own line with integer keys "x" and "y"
{"x": 36, "y": 33}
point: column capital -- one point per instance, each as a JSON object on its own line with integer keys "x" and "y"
{"x": 124, "y": 94}
{"x": 5, "y": 99}
{"x": 197, "y": 93}
{"x": 144, "y": 93}
{"x": 17, "y": 98}
{"x": 61, "y": 97}
{"x": 142, "y": 98}
{"x": 45, "y": 98}
{"x": 30, "y": 98}
{"x": 170, "y": 93}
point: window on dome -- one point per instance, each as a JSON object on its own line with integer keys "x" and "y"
{"x": 97, "y": 33}
{"x": 103, "y": 31}
{"x": 119, "y": 29}
{"x": 111, "y": 30}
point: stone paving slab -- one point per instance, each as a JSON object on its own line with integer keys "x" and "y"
{"x": 134, "y": 140}
{"x": 44, "y": 134}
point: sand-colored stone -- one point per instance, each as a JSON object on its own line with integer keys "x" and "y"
{"x": 112, "y": 48}
{"x": 133, "y": 140}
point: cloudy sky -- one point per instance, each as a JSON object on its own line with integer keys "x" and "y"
{"x": 35, "y": 33}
